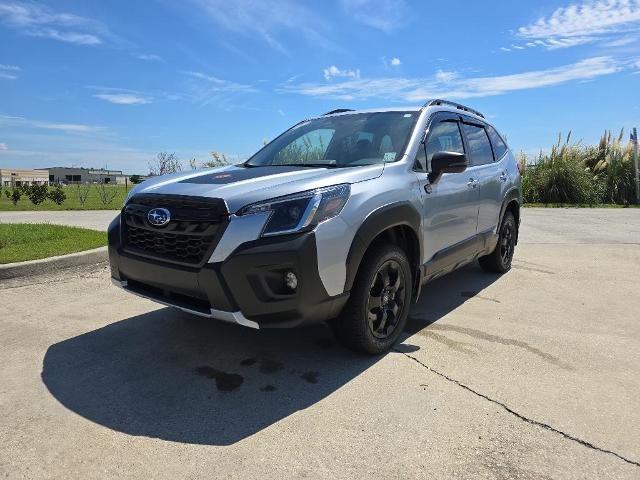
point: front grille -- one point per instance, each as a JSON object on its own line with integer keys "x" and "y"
{"x": 189, "y": 238}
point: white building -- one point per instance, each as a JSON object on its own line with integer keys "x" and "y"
{"x": 11, "y": 177}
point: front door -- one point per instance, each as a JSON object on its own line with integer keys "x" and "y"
{"x": 450, "y": 206}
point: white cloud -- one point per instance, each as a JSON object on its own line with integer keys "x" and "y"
{"x": 3, "y": 146}
{"x": 265, "y": 19}
{"x": 150, "y": 57}
{"x": 204, "y": 89}
{"x": 395, "y": 61}
{"x": 445, "y": 77}
{"x": 450, "y": 85}
{"x": 333, "y": 72}
{"x": 281, "y": 112}
{"x": 16, "y": 121}
{"x": 622, "y": 41}
{"x": 123, "y": 98}
{"x": 385, "y": 15}
{"x": 40, "y": 21}
{"x": 582, "y": 23}
{"x": 9, "y": 72}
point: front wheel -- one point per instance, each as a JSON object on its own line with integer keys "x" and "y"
{"x": 377, "y": 310}
{"x": 499, "y": 261}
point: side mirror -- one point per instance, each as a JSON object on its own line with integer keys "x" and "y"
{"x": 447, "y": 162}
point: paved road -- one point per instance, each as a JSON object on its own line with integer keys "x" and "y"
{"x": 535, "y": 374}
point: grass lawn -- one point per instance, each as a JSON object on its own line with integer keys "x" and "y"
{"x": 93, "y": 202}
{"x": 21, "y": 241}
{"x": 579, "y": 205}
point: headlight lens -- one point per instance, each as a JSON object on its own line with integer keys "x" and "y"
{"x": 297, "y": 212}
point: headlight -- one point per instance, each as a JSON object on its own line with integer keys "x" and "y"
{"x": 297, "y": 212}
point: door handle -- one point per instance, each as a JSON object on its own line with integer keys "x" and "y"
{"x": 472, "y": 183}
{"x": 503, "y": 177}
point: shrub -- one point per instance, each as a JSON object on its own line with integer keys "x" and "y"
{"x": 57, "y": 195}
{"x": 561, "y": 177}
{"x": 16, "y": 195}
{"x": 37, "y": 193}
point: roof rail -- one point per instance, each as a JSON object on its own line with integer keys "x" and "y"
{"x": 339, "y": 110}
{"x": 452, "y": 104}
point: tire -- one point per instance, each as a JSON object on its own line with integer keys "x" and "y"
{"x": 499, "y": 261}
{"x": 377, "y": 309}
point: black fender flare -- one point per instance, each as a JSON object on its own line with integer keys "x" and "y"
{"x": 511, "y": 195}
{"x": 381, "y": 219}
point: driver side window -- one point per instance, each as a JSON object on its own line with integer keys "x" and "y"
{"x": 444, "y": 136}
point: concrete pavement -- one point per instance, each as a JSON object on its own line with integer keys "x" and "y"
{"x": 533, "y": 374}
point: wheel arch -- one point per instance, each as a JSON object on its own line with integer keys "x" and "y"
{"x": 511, "y": 203}
{"x": 397, "y": 223}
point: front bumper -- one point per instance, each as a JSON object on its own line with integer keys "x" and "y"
{"x": 246, "y": 288}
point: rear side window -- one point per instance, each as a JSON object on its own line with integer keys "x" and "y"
{"x": 499, "y": 147}
{"x": 479, "y": 146}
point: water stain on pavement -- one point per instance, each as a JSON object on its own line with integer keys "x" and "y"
{"x": 268, "y": 365}
{"x": 268, "y": 388}
{"x": 225, "y": 382}
{"x": 502, "y": 341}
{"x": 472, "y": 294}
{"x": 310, "y": 377}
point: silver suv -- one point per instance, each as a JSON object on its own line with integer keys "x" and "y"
{"x": 342, "y": 218}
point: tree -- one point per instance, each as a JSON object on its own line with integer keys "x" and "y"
{"x": 16, "y": 194}
{"x": 165, "y": 163}
{"x": 135, "y": 179}
{"x": 37, "y": 193}
{"x": 82, "y": 192}
{"x": 193, "y": 165}
{"x": 217, "y": 160}
{"x": 105, "y": 193}
{"x": 57, "y": 195}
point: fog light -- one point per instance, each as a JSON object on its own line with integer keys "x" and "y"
{"x": 290, "y": 280}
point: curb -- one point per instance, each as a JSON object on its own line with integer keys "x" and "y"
{"x": 46, "y": 265}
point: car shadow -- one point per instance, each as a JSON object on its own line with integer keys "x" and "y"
{"x": 182, "y": 378}
{"x": 177, "y": 377}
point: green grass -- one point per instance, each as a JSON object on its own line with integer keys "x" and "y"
{"x": 20, "y": 241}
{"x": 579, "y": 205}
{"x": 72, "y": 202}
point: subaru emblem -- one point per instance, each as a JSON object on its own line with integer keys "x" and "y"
{"x": 158, "y": 216}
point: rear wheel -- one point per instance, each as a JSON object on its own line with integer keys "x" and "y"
{"x": 499, "y": 261}
{"x": 377, "y": 310}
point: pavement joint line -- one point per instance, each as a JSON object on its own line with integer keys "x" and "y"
{"x": 520, "y": 416}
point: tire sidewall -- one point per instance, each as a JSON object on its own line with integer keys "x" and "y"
{"x": 381, "y": 256}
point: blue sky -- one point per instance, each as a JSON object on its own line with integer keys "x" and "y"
{"x": 97, "y": 83}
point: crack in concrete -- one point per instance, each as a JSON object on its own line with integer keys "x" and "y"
{"x": 520, "y": 416}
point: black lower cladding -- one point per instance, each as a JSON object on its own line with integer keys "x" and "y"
{"x": 251, "y": 280}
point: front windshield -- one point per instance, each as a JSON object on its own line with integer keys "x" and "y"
{"x": 340, "y": 141}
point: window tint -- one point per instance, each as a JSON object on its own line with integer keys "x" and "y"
{"x": 479, "y": 146}
{"x": 443, "y": 137}
{"x": 499, "y": 147}
{"x": 307, "y": 148}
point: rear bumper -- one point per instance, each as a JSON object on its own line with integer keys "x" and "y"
{"x": 246, "y": 288}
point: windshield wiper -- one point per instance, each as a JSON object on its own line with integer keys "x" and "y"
{"x": 313, "y": 165}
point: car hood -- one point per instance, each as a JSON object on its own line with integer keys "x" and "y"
{"x": 239, "y": 185}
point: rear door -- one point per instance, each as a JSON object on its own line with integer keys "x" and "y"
{"x": 485, "y": 171}
{"x": 451, "y": 204}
